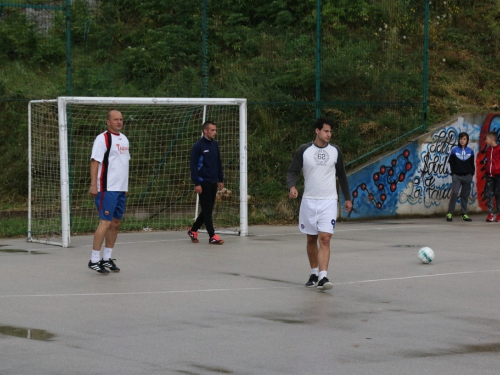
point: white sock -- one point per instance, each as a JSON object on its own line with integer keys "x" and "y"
{"x": 107, "y": 253}
{"x": 321, "y": 275}
{"x": 96, "y": 255}
{"x": 315, "y": 271}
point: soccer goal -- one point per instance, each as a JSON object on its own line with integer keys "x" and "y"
{"x": 161, "y": 132}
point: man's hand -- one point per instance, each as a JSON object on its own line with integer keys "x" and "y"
{"x": 293, "y": 193}
{"x": 198, "y": 189}
{"x": 348, "y": 206}
{"x": 93, "y": 190}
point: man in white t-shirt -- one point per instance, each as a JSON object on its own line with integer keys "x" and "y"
{"x": 109, "y": 169}
{"x": 321, "y": 164}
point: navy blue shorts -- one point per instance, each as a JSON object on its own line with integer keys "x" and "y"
{"x": 110, "y": 204}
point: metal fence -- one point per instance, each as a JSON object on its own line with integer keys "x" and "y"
{"x": 361, "y": 62}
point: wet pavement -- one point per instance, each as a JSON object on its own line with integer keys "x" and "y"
{"x": 241, "y": 308}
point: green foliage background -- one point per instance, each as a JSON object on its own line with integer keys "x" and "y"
{"x": 371, "y": 80}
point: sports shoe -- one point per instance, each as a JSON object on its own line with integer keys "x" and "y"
{"x": 466, "y": 217}
{"x": 449, "y": 217}
{"x": 325, "y": 284}
{"x": 497, "y": 218}
{"x": 313, "y": 280}
{"x": 194, "y": 236}
{"x": 490, "y": 218}
{"x": 97, "y": 267}
{"x": 109, "y": 264}
{"x": 215, "y": 240}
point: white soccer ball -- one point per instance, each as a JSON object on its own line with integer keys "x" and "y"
{"x": 426, "y": 255}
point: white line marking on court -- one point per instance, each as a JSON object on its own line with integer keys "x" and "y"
{"x": 238, "y": 289}
{"x": 144, "y": 293}
{"x": 348, "y": 230}
{"x": 415, "y": 277}
{"x": 388, "y": 227}
{"x": 385, "y": 227}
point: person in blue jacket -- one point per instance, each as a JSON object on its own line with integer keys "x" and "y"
{"x": 207, "y": 176}
{"x": 462, "y": 169}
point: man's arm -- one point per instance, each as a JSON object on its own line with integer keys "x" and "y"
{"x": 473, "y": 163}
{"x": 451, "y": 161}
{"x": 195, "y": 156}
{"x": 295, "y": 167}
{"x": 94, "y": 167}
{"x": 344, "y": 184}
{"x": 99, "y": 148}
{"x": 220, "y": 171}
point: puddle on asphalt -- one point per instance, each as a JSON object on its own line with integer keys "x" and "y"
{"x": 11, "y": 251}
{"x": 279, "y": 319}
{"x": 482, "y": 348}
{"x": 26, "y": 333}
{"x": 266, "y": 239}
{"x": 257, "y": 277}
{"x": 464, "y": 349}
{"x": 218, "y": 370}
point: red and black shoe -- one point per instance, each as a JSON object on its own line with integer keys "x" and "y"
{"x": 193, "y": 236}
{"x": 215, "y": 240}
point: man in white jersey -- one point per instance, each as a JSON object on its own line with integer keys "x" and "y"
{"x": 109, "y": 169}
{"x": 321, "y": 164}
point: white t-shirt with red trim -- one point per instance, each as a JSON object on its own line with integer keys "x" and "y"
{"x": 112, "y": 152}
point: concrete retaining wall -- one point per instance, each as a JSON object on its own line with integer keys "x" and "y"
{"x": 415, "y": 179}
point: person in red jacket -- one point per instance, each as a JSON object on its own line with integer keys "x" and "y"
{"x": 492, "y": 187}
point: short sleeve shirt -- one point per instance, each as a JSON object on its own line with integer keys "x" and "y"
{"x": 112, "y": 152}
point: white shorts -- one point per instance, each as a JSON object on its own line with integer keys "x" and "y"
{"x": 317, "y": 215}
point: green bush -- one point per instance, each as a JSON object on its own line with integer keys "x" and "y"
{"x": 18, "y": 37}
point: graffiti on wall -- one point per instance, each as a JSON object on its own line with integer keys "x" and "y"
{"x": 431, "y": 184}
{"x": 380, "y": 191}
{"x": 413, "y": 180}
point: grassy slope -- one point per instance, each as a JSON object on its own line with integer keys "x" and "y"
{"x": 464, "y": 76}
{"x": 464, "y": 61}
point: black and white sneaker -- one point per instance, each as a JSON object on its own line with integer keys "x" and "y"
{"x": 313, "y": 280}
{"x": 324, "y": 284}
{"x": 97, "y": 267}
{"x": 109, "y": 264}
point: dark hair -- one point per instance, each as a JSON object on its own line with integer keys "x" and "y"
{"x": 323, "y": 121}
{"x": 206, "y": 123}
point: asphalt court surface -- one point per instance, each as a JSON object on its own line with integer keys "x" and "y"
{"x": 242, "y": 308}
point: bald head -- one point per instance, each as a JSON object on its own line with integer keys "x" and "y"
{"x": 114, "y": 120}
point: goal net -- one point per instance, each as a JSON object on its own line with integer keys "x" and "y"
{"x": 161, "y": 132}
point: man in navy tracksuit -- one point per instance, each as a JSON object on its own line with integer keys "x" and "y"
{"x": 207, "y": 176}
{"x": 462, "y": 169}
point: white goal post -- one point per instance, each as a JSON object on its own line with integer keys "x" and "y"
{"x": 161, "y": 132}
